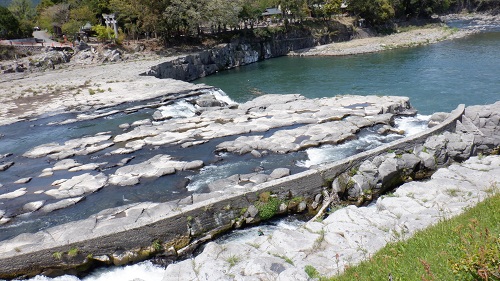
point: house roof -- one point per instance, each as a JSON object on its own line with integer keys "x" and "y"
{"x": 271, "y": 12}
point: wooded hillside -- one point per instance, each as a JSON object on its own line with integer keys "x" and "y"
{"x": 173, "y": 18}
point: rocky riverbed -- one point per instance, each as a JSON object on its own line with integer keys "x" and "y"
{"x": 297, "y": 123}
{"x": 66, "y": 172}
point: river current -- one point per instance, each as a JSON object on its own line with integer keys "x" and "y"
{"x": 436, "y": 77}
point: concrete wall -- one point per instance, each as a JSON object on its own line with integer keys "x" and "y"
{"x": 175, "y": 225}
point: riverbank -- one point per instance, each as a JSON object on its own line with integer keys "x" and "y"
{"x": 82, "y": 89}
{"x": 347, "y": 236}
{"x": 415, "y": 36}
{"x": 410, "y": 38}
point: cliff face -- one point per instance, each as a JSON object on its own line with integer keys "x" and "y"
{"x": 245, "y": 51}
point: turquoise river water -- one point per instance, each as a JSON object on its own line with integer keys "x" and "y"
{"x": 436, "y": 77}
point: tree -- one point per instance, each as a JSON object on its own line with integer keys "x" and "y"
{"x": 44, "y": 4}
{"x": 331, "y": 7}
{"x": 54, "y": 17}
{"x": 407, "y": 9}
{"x": 24, "y": 12}
{"x": 223, "y": 13}
{"x": 22, "y": 9}
{"x": 78, "y": 17}
{"x": 9, "y": 26}
{"x": 98, "y": 7}
{"x": 376, "y": 12}
{"x": 292, "y": 8}
{"x": 249, "y": 13}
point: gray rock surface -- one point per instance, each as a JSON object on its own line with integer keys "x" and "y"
{"x": 5, "y": 166}
{"x": 155, "y": 167}
{"x": 77, "y": 186}
{"x": 61, "y": 204}
{"x": 226, "y": 56}
{"x": 14, "y": 194}
{"x": 347, "y": 236}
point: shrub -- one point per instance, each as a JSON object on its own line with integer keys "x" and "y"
{"x": 57, "y": 255}
{"x": 268, "y": 206}
{"x": 157, "y": 245}
{"x": 103, "y": 33}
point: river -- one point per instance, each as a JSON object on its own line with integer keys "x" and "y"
{"x": 436, "y": 77}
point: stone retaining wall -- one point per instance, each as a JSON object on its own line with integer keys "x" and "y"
{"x": 239, "y": 53}
{"x": 142, "y": 230}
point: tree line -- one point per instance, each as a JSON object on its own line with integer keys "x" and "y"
{"x": 173, "y": 18}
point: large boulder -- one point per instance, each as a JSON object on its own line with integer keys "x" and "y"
{"x": 389, "y": 172}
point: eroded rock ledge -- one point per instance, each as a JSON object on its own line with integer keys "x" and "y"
{"x": 135, "y": 232}
{"x": 298, "y": 123}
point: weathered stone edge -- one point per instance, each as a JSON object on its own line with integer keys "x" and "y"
{"x": 330, "y": 171}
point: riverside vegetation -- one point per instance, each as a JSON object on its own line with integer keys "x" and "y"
{"x": 192, "y": 20}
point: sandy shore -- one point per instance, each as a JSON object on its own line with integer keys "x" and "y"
{"x": 415, "y": 37}
{"x": 411, "y": 38}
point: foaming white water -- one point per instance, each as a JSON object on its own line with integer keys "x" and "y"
{"x": 141, "y": 271}
{"x": 413, "y": 125}
{"x": 248, "y": 234}
{"x": 60, "y": 278}
{"x": 206, "y": 175}
{"x": 183, "y": 109}
{"x": 222, "y": 96}
{"x": 212, "y": 173}
{"x": 331, "y": 153}
{"x": 178, "y": 110}
{"x": 144, "y": 271}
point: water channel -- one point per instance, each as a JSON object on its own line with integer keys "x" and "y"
{"x": 436, "y": 78}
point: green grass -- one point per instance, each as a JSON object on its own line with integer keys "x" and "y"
{"x": 233, "y": 260}
{"x": 463, "y": 248}
{"x": 311, "y": 271}
{"x": 57, "y": 255}
{"x": 73, "y": 252}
